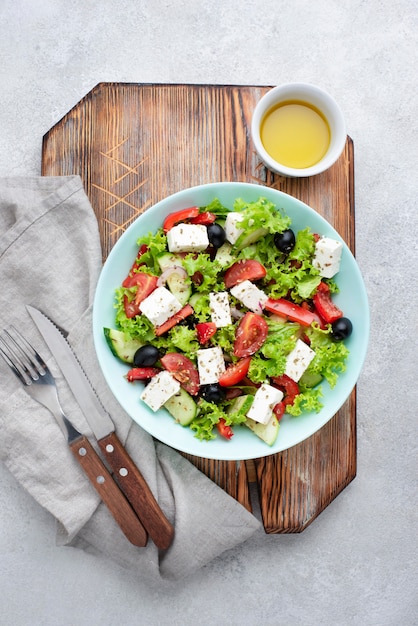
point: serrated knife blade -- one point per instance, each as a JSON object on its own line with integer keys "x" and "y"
{"x": 128, "y": 476}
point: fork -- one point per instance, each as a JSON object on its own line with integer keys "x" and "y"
{"x": 39, "y": 383}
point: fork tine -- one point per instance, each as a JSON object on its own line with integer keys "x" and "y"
{"x": 21, "y": 357}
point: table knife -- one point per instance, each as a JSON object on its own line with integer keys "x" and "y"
{"x": 126, "y": 473}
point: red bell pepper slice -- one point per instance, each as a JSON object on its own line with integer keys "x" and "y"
{"x": 179, "y": 216}
{"x": 324, "y": 304}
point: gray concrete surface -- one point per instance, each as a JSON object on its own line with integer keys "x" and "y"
{"x": 357, "y": 563}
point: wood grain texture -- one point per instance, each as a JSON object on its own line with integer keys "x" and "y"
{"x": 135, "y": 144}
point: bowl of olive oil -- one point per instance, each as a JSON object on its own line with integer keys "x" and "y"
{"x": 298, "y": 130}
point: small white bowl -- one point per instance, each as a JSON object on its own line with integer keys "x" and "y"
{"x": 317, "y": 98}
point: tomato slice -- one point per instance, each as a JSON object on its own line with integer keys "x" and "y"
{"x": 324, "y": 304}
{"x": 204, "y": 218}
{"x": 131, "y": 309}
{"x": 179, "y": 216}
{"x": 289, "y": 387}
{"x": 251, "y": 334}
{"x": 294, "y": 312}
{"x": 235, "y": 373}
{"x": 145, "y": 283}
{"x": 246, "y": 269}
{"x": 174, "y": 319}
{"x": 223, "y": 429}
{"x": 205, "y": 330}
{"x": 183, "y": 370}
{"x": 142, "y": 373}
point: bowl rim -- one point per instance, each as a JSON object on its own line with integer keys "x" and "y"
{"x": 322, "y": 100}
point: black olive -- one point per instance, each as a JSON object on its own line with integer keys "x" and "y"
{"x": 285, "y": 241}
{"x": 146, "y": 356}
{"x": 216, "y": 235}
{"x": 341, "y": 328}
{"x": 213, "y": 393}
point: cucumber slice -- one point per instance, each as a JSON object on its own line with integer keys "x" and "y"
{"x": 120, "y": 346}
{"x": 267, "y": 432}
{"x": 182, "y": 407}
{"x": 241, "y": 404}
{"x": 310, "y": 379}
{"x": 223, "y": 255}
{"x": 247, "y": 238}
{"x": 179, "y": 287}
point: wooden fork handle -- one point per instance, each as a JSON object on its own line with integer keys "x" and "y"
{"x": 109, "y": 491}
{"x": 136, "y": 489}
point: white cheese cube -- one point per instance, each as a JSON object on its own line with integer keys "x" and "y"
{"x": 160, "y": 389}
{"x": 298, "y": 360}
{"x": 327, "y": 256}
{"x": 159, "y": 306}
{"x": 211, "y": 365}
{"x": 219, "y": 308}
{"x": 266, "y": 397}
{"x": 187, "y": 238}
{"x": 251, "y": 296}
{"x": 232, "y": 231}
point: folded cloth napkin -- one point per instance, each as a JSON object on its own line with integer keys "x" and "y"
{"x": 50, "y": 257}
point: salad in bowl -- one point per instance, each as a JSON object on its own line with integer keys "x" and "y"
{"x": 231, "y": 321}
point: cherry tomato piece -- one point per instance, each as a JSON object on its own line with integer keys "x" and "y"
{"x": 294, "y": 312}
{"x": 183, "y": 370}
{"x": 246, "y": 269}
{"x": 235, "y": 373}
{"x": 141, "y": 373}
{"x": 289, "y": 387}
{"x": 279, "y": 410}
{"x": 145, "y": 283}
{"x": 324, "y": 304}
{"x": 224, "y": 430}
{"x": 173, "y": 320}
{"x": 251, "y": 334}
{"x": 179, "y": 216}
{"x": 204, "y": 218}
{"x": 205, "y": 330}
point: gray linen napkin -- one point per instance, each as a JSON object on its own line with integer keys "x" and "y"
{"x": 50, "y": 257}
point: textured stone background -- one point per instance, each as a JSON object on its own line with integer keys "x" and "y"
{"x": 357, "y": 564}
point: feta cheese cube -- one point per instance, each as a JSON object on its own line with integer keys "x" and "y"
{"x": 251, "y": 296}
{"x": 159, "y": 306}
{"x": 187, "y": 238}
{"x": 219, "y": 308}
{"x": 160, "y": 389}
{"x": 327, "y": 256}
{"x": 266, "y": 397}
{"x": 298, "y": 360}
{"x": 211, "y": 365}
{"x": 232, "y": 231}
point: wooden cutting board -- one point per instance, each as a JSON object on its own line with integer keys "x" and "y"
{"x": 135, "y": 144}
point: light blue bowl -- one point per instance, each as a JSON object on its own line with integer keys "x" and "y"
{"x": 352, "y": 299}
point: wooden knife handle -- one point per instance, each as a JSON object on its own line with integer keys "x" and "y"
{"x": 135, "y": 488}
{"x": 109, "y": 492}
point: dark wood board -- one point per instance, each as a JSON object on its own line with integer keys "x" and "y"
{"x": 135, "y": 144}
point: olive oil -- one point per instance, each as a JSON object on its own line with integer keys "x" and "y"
{"x": 295, "y": 134}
